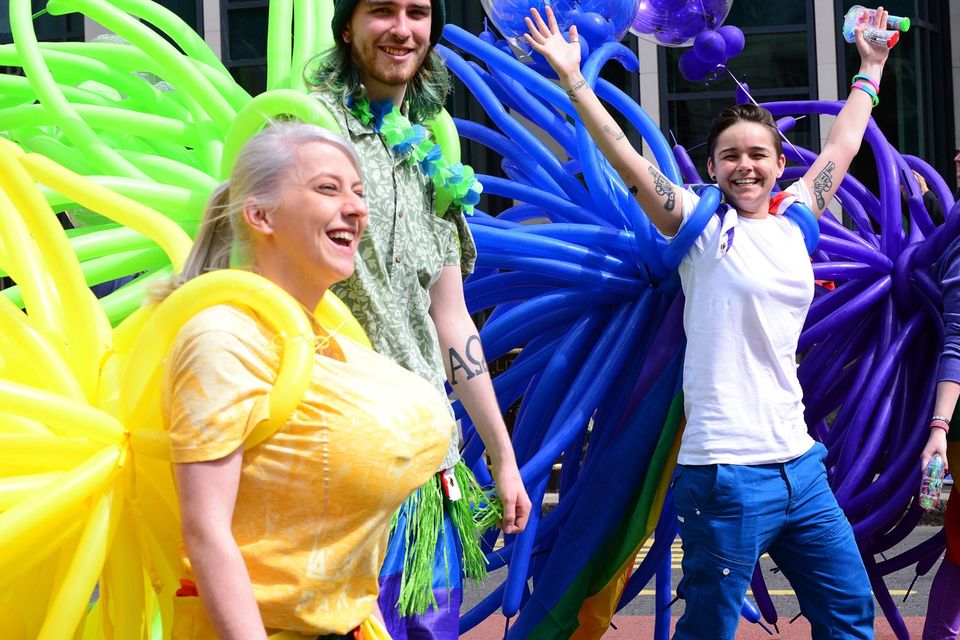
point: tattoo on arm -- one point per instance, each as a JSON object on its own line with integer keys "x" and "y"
{"x": 616, "y": 133}
{"x": 576, "y": 86}
{"x": 822, "y": 184}
{"x": 664, "y": 188}
{"x": 471, "y": 361}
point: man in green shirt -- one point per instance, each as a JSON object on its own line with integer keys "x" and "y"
{"x": 407, "y": 293}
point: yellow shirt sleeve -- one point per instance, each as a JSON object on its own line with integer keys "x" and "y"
{"x": 217, "y": 386}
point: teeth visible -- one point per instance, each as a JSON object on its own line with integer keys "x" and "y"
{"x": 745, "y": 182}
{"x": 343, "y": 235}
{"x": 395, "y": 52}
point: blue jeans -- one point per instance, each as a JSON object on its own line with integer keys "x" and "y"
{"x": 731, "y": 514}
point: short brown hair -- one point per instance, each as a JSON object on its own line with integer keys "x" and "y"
{"x": 743, "y": 113}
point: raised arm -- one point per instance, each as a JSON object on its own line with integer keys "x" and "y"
{"x": 828, "y": 170}
{"x": 659, "y": 197}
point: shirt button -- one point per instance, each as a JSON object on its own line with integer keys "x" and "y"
{"x": 725, "y": 571}
{"x": 399, "y": 259}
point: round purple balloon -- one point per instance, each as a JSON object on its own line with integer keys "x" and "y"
{"x": 710, "y": 47}
{"x": 733, "y": 39}
{"x": 694, "y": 69}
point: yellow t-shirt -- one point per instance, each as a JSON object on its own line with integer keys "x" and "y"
{"x": 315, "y": 500}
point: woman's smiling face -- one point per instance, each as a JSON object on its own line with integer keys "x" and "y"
{"x": 746, "y": 166}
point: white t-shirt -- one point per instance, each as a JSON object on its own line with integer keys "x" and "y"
{"x": 747, "y": 294}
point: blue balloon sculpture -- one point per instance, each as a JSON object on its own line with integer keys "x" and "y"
{"x": 575, "y": 276}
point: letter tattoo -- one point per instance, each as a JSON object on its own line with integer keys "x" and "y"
{"x": 664, "y": 188}
{"x": 576, "y": 86}
{"x": 458, "y": 361}
{"x": 823, "y": 183}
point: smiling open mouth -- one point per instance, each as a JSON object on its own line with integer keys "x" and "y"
{"x": 342, "y": 238}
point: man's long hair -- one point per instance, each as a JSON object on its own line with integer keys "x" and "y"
{"x": 334, "y": 72}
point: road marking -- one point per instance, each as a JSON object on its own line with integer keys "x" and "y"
{"x": 773, "y": 592}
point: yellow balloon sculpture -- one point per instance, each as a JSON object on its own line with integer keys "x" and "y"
{"x": 89, "y": 527}
{"x": 129, "y": 136}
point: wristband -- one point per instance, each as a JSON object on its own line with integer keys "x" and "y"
{"x": 868, "y": 90}
{"x": 873, "y": 83}
{"x": 940, "y": 423}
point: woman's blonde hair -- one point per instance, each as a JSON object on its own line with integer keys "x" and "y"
{"x": 262, "y": 164}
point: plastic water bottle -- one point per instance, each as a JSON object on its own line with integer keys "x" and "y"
{"x": 888, "y": 37}
{"x": 932, "y": 483}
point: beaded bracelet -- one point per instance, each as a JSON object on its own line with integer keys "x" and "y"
{"x": 873, "y": 83}
{"x": 868, "y": 90}
{"x": 938, "y": 422}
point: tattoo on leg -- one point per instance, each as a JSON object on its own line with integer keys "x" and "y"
{"x": 823, "y": 183}
{"x": 664, "y": 188}
{"x": 472, "y": 361}
{"x": 576, "y": 86}
{"x": 617, "y": 134}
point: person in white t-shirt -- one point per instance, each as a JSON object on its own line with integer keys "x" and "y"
{"x": 750, "y": 479}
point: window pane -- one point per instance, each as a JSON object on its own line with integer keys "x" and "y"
{"x": 186, "y": 10}
{"x": 253, "y": 79}
{"x": 248, "y": 34}
{"x": 47, "y": 27}
{"x": 767, "y": 14}
{"x": 768, "y": 60}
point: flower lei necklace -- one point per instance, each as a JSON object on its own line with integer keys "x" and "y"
{"x": 454, "y": 183}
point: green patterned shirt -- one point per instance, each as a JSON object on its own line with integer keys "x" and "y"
{"x": 402, "y": 252}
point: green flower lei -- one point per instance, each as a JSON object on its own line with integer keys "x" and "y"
{"x": 454, "y": 183}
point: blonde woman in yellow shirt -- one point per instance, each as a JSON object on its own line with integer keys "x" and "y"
{"x": 288, "y": 535}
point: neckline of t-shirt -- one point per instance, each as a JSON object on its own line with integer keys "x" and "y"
{"x": 741, "y": 218}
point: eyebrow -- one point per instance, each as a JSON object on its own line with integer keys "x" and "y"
{"x": 330, "y": 174}
{"x": 418, "y": 5}
{"x": 755, "y": 148}
{"x": 324, "y": 173}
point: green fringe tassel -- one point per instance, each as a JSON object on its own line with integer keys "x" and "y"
{"x": 475, "y": 513}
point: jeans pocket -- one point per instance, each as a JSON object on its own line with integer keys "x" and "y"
{"x": 723, "y": 567}
{"x": 693, "y": 488}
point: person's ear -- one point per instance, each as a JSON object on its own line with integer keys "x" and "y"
{"x": 781, "y": 164}
{"x": 711, "y": 169}
{"x": 345, "y": 35}
{"x": 258, "y": 217}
